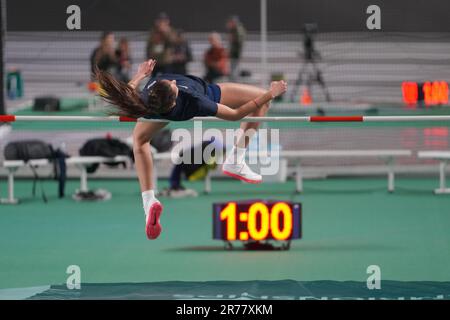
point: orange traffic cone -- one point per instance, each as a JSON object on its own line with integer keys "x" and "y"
{"x": 305, "y": 99}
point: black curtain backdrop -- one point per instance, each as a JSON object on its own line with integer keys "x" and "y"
{"x": 207, "y": 15}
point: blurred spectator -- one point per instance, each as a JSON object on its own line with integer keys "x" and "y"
{"x": 236, "y": 36}
{"x": 181, "y": 54}
{"x": 194, "y": 171}
{"x": 160, "y": 44}
{"x": 216, "y": 59}
{"x": 104, "y": 56}
{"x": 123, "y": 57}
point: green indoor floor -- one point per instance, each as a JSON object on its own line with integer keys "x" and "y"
{"x": 348, "y": 224}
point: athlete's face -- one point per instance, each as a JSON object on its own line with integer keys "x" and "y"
{"x": 174, "y": 88}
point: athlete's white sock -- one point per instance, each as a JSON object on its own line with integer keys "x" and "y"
{"x": 148, "y": 197}
{"x": 237, "y": 155}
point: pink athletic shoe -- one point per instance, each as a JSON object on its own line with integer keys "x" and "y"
{"x": 153, "y": 227}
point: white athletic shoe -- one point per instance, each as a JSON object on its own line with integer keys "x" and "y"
{"x": 182, "y": 193}
{"x": 178, "y": 193}
{"x": 242, "y": 172}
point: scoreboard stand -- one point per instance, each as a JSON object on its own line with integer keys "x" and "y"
{"x": 260, "y": 245}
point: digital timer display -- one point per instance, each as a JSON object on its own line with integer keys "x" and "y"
{"x": 429, "y": 92}
{"x": 256, "y": 220}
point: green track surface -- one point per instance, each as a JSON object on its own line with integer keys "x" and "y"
{"x": 348, "y": 224}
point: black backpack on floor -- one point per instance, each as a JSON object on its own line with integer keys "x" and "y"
{"x": 105, "y": 147}
{"x": 35, "y": 149}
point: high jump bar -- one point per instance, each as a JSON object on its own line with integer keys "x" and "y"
{"x": 14, "y": 118}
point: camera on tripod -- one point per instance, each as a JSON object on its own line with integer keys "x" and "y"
{"x": 310, "y": 72}
{"x": 309, "y": 30}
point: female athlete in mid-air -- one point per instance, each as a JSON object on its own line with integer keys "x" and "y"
{"x": 182, "y": 97}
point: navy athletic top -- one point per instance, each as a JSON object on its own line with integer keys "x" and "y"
{"x": 196, "y": 98}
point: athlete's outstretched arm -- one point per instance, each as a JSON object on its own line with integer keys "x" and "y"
{"x": 145, "y": 69}
{"x": 224, "y": 112}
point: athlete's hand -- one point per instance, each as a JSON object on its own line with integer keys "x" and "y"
{"x": 146, "y": 68}
{"x": 277, "y": 88}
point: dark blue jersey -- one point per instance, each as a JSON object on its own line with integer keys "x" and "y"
{"x": 196, "y": 98}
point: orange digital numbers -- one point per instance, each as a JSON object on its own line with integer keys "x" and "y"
{"x": 258, "y": 210}
{"x": 410, "y": 92}
{"x": 431, "y": 93}
{"x": 261, "y": 221}
{"x": 435, "y": 92}
{"x": 283, "y": 209}
{"x": 229, "y": 215}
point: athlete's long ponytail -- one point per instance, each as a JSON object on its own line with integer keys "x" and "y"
{"x": 127, "y": 101}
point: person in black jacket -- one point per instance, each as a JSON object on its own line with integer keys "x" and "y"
{"x": 104, "y": 57}
{"x": 123, "y": 57}
{"x": 181, "y": 54}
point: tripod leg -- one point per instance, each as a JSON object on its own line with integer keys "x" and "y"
{"x": 298, "y": 83}
{"x": 309, "y": 84}
{"x": 321, "y": 81}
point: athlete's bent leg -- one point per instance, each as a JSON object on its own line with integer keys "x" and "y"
{"x": 142, "y": 134}
{"x": 234, "y": 95}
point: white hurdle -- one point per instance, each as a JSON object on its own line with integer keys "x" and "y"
{"x": 80, "y": 162}
{"x": 388, "y": 156}
{"x": 443, "y": 157}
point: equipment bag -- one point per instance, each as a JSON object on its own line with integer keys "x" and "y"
{"x": 105, "y": 147}
{"x": 35, "y": 149}
{"x": 27, "y": 150}
{"x": 47, "y": 103}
